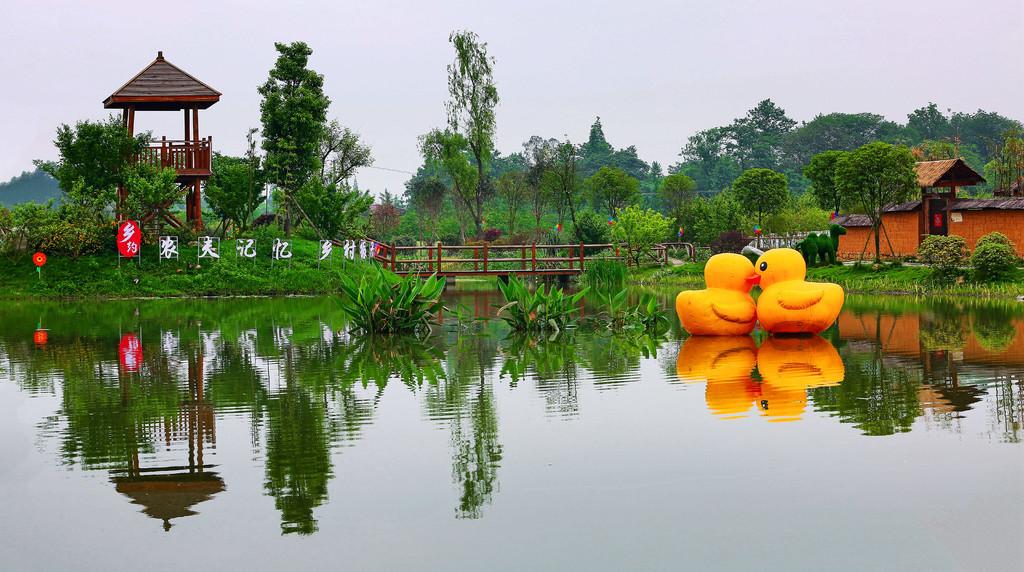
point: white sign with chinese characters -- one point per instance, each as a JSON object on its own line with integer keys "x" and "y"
{"x": 281, "y": 249}
{"x": 245, "y": 247}
{"x": 326, "y": 249}
{"x": 208, "y": 248}
{"x": 956, "y": 217}
{"x": 168, "y": 247}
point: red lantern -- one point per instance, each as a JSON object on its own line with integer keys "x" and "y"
{"x": 129, "y": 239}
{"x": 39, "y": 259}
{"x": 130, "y": 352}
{"x": 40, "y": 337}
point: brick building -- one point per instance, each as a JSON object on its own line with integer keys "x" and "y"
{"x": 939, "y": 211}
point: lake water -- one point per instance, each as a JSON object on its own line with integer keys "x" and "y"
{"x": 257, "y": 434}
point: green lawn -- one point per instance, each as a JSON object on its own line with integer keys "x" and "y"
{"x": 100, "y": 276}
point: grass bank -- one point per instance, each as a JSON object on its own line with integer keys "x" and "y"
{"x": 863, "y": 279}
{"x": 100, "y": 276}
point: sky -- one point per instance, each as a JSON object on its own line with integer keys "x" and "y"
{"x": 654, "y": 71}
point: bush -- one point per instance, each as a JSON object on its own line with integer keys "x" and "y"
{"x": 591, "y": 228}
{"x": 640, "y": 229}
{"x": 993, "y": 260}
{"x": 945, "y": 254}
{"x": 994, "y": 238}
{"x": 492, "y": 234}
{"x": 74, "y": 237}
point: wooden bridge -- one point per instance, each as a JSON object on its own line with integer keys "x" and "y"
{"x": 510, "y": 259}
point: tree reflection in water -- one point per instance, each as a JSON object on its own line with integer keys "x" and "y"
{"x": 305, "y": 386}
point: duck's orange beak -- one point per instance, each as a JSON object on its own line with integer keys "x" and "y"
{"x": 753, "y": 280}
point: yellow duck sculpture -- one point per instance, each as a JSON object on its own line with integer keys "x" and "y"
{"x": 725, "y": 308}
{"x": 788, "y": 304}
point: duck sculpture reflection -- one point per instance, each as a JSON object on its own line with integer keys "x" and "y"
{"x": 789, "y": 366}
{"x": 724, "y": 364}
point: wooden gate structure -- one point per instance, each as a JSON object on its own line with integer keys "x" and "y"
{"x": 162, "y": 86}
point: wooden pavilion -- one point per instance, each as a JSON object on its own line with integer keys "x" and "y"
{"x": 162, "y": 86}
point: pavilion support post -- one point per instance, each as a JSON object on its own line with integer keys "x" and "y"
{"x": 188, "y": 138}
{"x": 131, "y": 120}
{"x": 197, "y": 205}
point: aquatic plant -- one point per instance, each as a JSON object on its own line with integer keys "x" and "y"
{"x": 618, "y": 315}
{"x": 604, "y": 273}
{"x": 383, "y": 302}
{"x": 540, "y": 310}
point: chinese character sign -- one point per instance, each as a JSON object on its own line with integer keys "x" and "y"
{"x": 208, "y": 248}
{"x": 168, "y": 247}
{"x": 350, "y": 249}
{"x": 326, "y": 249}
{"x": 281, "y": 249}
{"x": 129, "y": 239}
{"x": 246, "y": 247}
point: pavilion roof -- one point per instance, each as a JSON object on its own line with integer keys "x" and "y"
{"x": 163, "y": 86}
{"x": 946, "y": 173}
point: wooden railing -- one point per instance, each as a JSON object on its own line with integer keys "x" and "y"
{"x": 186, "y": 157}
{"x": 506, "y": 259}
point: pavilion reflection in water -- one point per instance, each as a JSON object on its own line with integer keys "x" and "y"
{"x": 171, "y": 491}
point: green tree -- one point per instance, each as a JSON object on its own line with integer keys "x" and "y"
{"x": 426, "y": 195}
{"x": 822, "y": 173}
{"x": 838, "y": 132}
{"x": 928, "y": 122}
{"x": 612, "y": 188}
{"x": 640, "y": 229}
{"x": 341, "y": 154}
{"x": 539, "y": 153}
{"x": 294, "y": 117}
{"x": 513, "y": 188}
{"x": 95, "y": 158}
{"x": 875, "y": 176}
{"x": 763, "y": 191}
{"x": 148, "y": 189}
{"x": 471, "y": 114}
{"x": 333, "y": 212}
{"x": 596, "y": 152}
{"x": 563, "y": 180}
{"x": 756, "y": 139}
{"x": 677, "y": 191}
{"x": 235, "y": 190}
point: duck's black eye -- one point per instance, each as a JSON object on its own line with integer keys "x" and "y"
{"x": 764, "y": 266}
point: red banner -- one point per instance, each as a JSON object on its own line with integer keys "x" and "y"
{"x": 129, "y": 239}
{"x": 130, "y": 352}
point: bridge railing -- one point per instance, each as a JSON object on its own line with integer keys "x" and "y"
{"x": 553, "y": 259}
{"x": 504, "y": 259}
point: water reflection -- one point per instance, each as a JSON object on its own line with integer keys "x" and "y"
{"x": 146, "y": 414}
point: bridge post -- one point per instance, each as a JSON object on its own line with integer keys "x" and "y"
{"x": 430, "y": 259}
{"x": 439, "y": 258}
{"x": 394, "y": 258}
{"x": 486, "y": 249}
{"x": 533, "y": 263}
{"x": 522, "y": 257}
{"x": 582, "y": 257}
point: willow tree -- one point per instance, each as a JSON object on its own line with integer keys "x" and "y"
{"x": 875, "y": 176}
{"x": 294, "y": 116}
{"x": 470, "y": 108}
